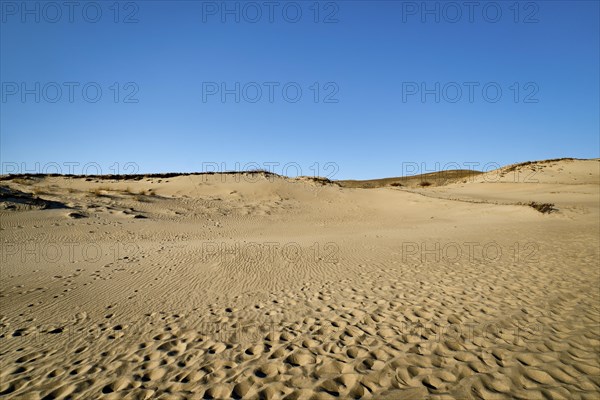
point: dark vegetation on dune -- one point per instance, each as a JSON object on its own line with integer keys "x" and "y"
{"x": 544, "y": 208}
{"x": 422, "y": 180}
{"x": 9, "y": 197}
{"x": 134, "y": 177}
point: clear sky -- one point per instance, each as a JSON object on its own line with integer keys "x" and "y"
{"x": 370, "y": 86}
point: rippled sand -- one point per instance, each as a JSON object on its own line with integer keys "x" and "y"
{"x": 258, "y": 286}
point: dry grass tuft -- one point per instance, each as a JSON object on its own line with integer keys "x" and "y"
{"x": 40, "y": 191}
{"x": 22, "y": 181}
{"x": 99, "y": 191}
{"x": 544, "y": 208}
{"x": 143, "y": 194}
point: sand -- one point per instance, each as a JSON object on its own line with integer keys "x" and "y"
{"x": 257, "y": 286}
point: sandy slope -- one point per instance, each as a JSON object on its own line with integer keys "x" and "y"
{"x": 255, "y": 286}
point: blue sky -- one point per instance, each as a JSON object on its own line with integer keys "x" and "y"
{"x": 379, "y": 84}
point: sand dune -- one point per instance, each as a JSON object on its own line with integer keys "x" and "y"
{"x": 252, "y": 285}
